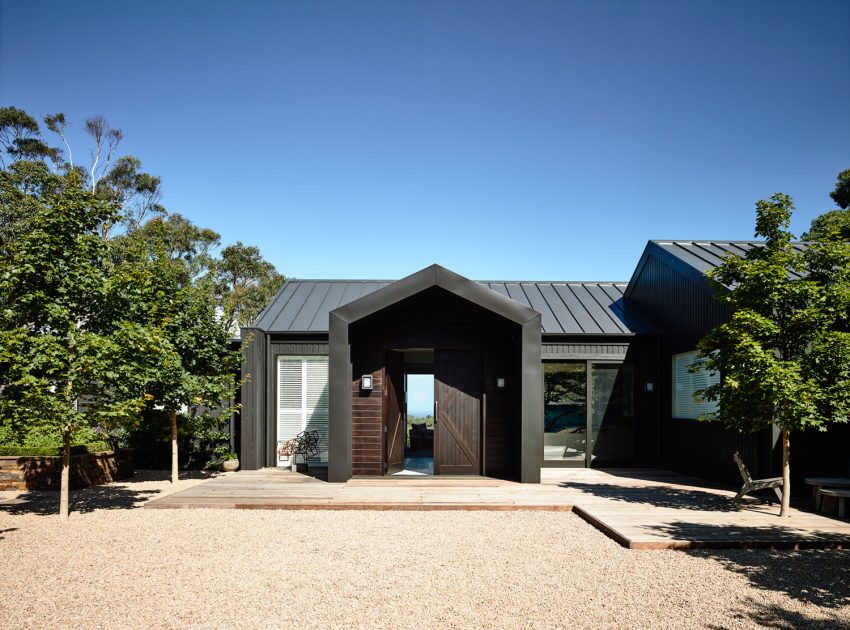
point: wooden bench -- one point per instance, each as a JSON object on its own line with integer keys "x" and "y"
{"x": 831, "y": 495}
{"x": 751, "y": 485}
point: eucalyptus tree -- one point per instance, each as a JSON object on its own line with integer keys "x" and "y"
{"x": 784, "y": 356}
{"x": 183, "y": 241}
{"x": 244, "y": 283}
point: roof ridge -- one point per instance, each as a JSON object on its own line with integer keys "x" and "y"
{"x": 342, "y": 280}
{"x": 715, "y": 240}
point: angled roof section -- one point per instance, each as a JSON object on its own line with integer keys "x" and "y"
{"x": 571, "y": 308}
{"x": 435, "y": 276}
{"x": 304, "y": 305}
{"x": 693, "y": 258}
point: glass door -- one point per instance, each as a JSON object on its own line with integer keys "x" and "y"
{"x": 565, "y": 412}
{"x": 612, "y": 414}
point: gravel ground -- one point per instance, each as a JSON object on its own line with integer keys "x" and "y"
{"x": 114, "y": 565}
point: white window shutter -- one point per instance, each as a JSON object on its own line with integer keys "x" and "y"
{"x": 289, "y": 401}
{"x": 303, "y": 401}
{"x": 316, "y": 393}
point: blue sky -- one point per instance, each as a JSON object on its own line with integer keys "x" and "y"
{"x": 420, "y": 394}
{"x": 504, "y": 140}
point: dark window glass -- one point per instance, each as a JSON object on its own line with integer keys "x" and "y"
{"x": 565, "y": 415}
{"x": 612, "y": 413}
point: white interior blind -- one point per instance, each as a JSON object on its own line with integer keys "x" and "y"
{"x": 686, "y": 384}
{"x": 316, "y": 401}
{"x": 303, "y": 401}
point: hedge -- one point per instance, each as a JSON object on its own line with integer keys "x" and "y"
{"x": 51, "y": 451}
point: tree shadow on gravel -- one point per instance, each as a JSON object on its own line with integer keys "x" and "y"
{"x": 820, "y": 577}
{"x": 120, "y": 495}
{"x": 42, "y": 502}
{"x": 657, "y": 496}
{"x": 773, "y": 616}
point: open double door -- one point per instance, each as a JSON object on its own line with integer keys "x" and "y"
{"x": 457, "y": 412}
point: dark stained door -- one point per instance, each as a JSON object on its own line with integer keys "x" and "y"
{"x": 457, "y": 424}
{"x": 394, "y": 412}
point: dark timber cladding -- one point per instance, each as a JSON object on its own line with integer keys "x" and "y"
{"x": 670, "y": 286}
{"x": 438, "y": 309}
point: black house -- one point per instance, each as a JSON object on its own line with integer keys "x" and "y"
{"x": 522, "y": 375}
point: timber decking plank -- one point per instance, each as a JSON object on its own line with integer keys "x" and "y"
{"x": 639, "y": 508}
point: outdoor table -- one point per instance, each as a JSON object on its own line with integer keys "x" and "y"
{"x": 825, "y": 482}
{"x": 839, "y": 495}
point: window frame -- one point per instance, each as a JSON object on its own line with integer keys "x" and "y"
{"x": 691, "y": 382}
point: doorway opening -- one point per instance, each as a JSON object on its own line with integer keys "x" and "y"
{"x": 418, "y": 413}
{"x": 419, "y": 429}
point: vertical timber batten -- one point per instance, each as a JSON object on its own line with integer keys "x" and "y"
{"x": 252, "y": 413}
{"x": 531, "y": 458}
{"x": 339, "y": 402}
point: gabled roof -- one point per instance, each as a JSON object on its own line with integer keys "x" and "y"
{"x": 436, "y": 276}
{"x": 693, "y": 258}
{"x": 574, "y": 308}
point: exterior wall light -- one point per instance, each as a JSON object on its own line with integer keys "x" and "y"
{"x": 500, "y": 382}
{"x": 649, "y": 387}
{"x": 366, "y": 382}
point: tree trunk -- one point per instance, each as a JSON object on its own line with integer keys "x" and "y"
{"x": 786, "y": 473}
{"x": 64, "y": 483}
{"x": 174, "y": 469}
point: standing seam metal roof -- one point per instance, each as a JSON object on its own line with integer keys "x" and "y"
{"x": 705, "y": 255}
{"x": 574, "y": 308}
{"x": 694, "y": 258}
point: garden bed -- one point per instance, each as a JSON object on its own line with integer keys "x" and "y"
{"x": 37, "y": 472}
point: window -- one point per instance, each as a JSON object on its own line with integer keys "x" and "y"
{"x": 302, "y": 401}
{"x": 565, "y": 411}
{"x": 687, "y": 383}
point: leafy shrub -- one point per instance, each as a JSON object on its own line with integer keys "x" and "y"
{"x": 21, "y": 450}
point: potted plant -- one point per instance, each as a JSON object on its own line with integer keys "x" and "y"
{"x": 230, "y": 462}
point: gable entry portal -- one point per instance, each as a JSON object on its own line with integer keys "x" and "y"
{"x": 488, "y": 379}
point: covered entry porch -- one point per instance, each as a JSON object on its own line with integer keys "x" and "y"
{"x": 483, "y": 352}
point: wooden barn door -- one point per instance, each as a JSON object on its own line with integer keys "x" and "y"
{"x": 457, "y": 423}
{"x": 394, "y": 412}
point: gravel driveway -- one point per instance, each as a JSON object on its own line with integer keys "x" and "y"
{"x": 113, "y": 565}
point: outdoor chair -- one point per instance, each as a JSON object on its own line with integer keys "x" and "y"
{"x": 751, "y": 485}
{"x": 305, "y": 444}
{"x": 421, "y": 437}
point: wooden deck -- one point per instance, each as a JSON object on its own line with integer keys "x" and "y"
{"x": 656, "y": 509}
{"x": 640, "y": 509}
{"x": 271, "y": 489}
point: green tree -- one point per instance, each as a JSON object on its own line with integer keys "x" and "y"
{"x": 20, "y": 137}
{"x": 204, "y": 373}
{"x": 784, "y": 357}
{"x": 64, "y": 333}
{"x": 197, "y": 365}
{"x": 182, "y": 241}
{"x": 834, "y": 225}
{"x": 244, "y": 284}
{"x": 156, "y": 276}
